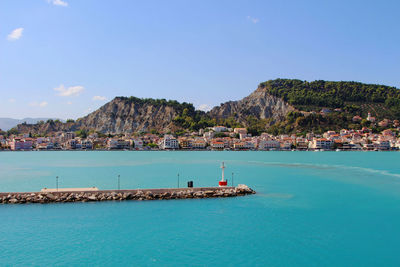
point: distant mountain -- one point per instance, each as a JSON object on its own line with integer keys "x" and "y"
{"x": 8, "y": 123}
{"x": 277, "y": 106}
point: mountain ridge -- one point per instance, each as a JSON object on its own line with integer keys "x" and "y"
{"x": 280, "y": 105}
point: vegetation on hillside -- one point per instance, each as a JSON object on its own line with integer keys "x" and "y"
{"x": 344, "y": 99}
{"x": 352, "y": 97}
{"x": 197, "y": 121}
{"x": 162, "y": 102}
{"x": 298, "y": 123}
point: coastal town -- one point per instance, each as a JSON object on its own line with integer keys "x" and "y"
{"x": 212, "y": 138}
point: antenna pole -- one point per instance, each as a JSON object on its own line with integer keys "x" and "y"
{"x": 223, "y": 171}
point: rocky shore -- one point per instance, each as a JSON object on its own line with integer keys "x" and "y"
{"x": 119, "y": 195}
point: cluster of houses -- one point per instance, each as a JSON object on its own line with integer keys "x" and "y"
{"x": 215, "y": 138}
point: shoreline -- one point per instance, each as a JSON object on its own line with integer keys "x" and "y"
{"x": 191, "y": 150}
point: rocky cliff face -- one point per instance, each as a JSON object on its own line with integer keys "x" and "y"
{"x": 46, "y": 127}
{"x": 259, "y": 104}
{"x": 128, "y": 115}
{"x": 124, "y": 116}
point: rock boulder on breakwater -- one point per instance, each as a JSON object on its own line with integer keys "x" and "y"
{"x": 107, "y": 195}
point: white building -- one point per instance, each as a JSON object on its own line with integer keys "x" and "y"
{"x": 269, "y": 144}
{"x": 219, "y": 129}
{"x": 169, "y": 142}
{"x": 321, "y": 143}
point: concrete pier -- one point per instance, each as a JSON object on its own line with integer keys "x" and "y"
{"x": 118, "y": 195}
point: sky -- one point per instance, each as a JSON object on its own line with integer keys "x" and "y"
{"x": 66, "y": 58}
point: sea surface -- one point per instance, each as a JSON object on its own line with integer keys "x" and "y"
{"x": 311, "y": 209}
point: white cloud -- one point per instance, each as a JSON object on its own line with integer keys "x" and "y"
{"x": 58, "y": 2}
{"x": 11, "y": 100}
{"x": 99, "y": 98}
{"x": 38, "y": 104}
{"x": 254, "y": 20}
{"x": 15, "y": 34}
{"x": 204, "y": 107}
{"x": 70, "y": 91}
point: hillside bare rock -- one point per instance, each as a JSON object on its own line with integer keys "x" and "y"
{"x": 124, "y": 116}
{"x": 46, "y": 127}
{"x": 259, "y": 104}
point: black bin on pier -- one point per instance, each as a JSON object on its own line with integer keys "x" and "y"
{"x": 190, "y": 184}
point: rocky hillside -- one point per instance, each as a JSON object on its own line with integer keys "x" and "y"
{"x": 127, "y": 115}
{"x": 281, "y": 106}
{"x": 42, "y": 128}
{"x": 259, "y": 104}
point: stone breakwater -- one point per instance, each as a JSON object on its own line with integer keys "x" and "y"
{"x": 118, "y": 195}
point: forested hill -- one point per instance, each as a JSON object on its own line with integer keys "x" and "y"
{"x": 353, "y": 97}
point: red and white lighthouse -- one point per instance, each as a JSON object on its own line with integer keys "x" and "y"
{"x": 223, "y": 182}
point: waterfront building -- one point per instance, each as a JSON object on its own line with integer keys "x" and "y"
{"x": 286, "y": 145}
{"x": 99, "y": 143}
{"x": 382, "y": 145}
{"x": 185, "y": 143}
{"x": 138, "y": 143}
{"x": 21, "y": 144}
{"x": 86, "y": 144}
{"x": 397, "y": 145}
{"x": 269, "y": 144}
{"x": 71, "y": 144}
{"x": 117, "y": 144}
{"x": 199, "y": 143}
{"x": 217, "y": 144}
{"x": 41, "y": 146}
{"x": 239, "y": 145}
{"x": 301, "y": 143}
{"x": 321, "y": 143}
{"x": 169, "y": 142}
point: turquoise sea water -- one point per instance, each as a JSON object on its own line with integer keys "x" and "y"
{"x": 311, "y": 209}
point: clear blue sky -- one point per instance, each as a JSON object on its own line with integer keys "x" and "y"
{"x": 57, "y": 55}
